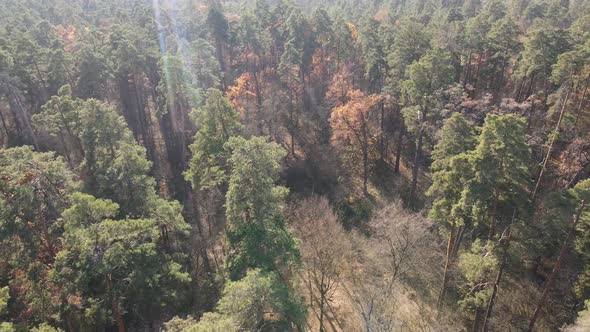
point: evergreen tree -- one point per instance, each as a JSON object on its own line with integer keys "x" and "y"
{"x": 35, "y": 189}
{"x": 217, "y": 121}
{"x": 257, "y": 234}
{"x": 452, "y": 171}
{"x": 501, "y": 165}
{"x": 427, "y": 78}
{"x": 117, "y": 268}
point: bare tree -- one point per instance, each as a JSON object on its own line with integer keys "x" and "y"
{"x": 401, "y": 248}
{"x": 324, "y": 249}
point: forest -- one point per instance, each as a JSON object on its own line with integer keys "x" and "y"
{"x": 294, "y": 165}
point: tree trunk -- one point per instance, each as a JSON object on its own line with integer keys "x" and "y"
{"x": 530, "y": 117}
{"x": 556, "y": 268}
{"x": 220, "y": 58}
{"x": 447, "y": 265}
{"x": 398, "y": 152}
{"x": 22, "y": 118}
{"x": 458, "y": 239}
{"x": 322, "y": 301}
{"x": 500, "y": 82}
{"x": 5, "y": 127}
{"x": 476, "y": 320}
{"x": 115, "y": 306}
{"x": 382, "y": 133}
{"x": 492, "y": 231}
{"x": 579, "y": 110}
{"x": 520, "y": 87}
{"x": 467, "y": 71}
{"x": 66, "y": 150}
{"x": 550, "y": 149}
{"x": 365, "y": 159}
{"x": 259, "y": 116}
{"x": 416, "y": 167}
{"x": 505, "y": 237}
{"x": 530, "y": 89}
{"x": 475, "y": 85}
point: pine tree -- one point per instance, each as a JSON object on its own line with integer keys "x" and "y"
{"x": 256, "y": 232}
{"x": 501, "y": 165}
{"x": 426, "y": 80}
{"x": 217, "y": 121}
{"x": 451, "y": 172}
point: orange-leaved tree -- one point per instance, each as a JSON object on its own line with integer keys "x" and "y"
{"x": 354, "y": 126}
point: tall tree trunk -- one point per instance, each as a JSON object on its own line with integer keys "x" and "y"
{"x": 382, "y": 133}
{"x": 115, "y": 306}
{"x": 492, "y": 230}
{"x": 467, "y": 71}
{"x": 322, "y": 301}
{"x": 556, "y": 268}
{"x": 500, "y": 83}
{"x": 476, "y": 84}
{"x": 66, "y": 150}
{"x": 221, "y": 60}
{"x": 5, "y": 127}
{"x": 365, "y": 144}
{"x": 173, "y": 125}
{"x": 398, "y": 152}
{"x": 530, "y": 117}
{"x": 445, "y": 280}
{"x": 476, "y": 319}
{"x": 259, "y": 116}
{"x": 291, "y": 130}
{"x": 550, "y": 148}
{"x": 458, "y": 239}
{"x": 520, "y": 88}
{"x": 22, "y": 118}
{"x": 416, "y": 167}
{"x": 505, "y": 243}
{"x": 530, "y": 89}
{"x": 579, "y": 110}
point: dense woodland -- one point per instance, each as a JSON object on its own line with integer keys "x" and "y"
{"x": 294, "y": 165}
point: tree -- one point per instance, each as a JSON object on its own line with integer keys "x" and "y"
{"x": 218, "y": 27}
{"x": 246, "y": 305}
{"x": 542, "y": 45}
{"x": 504, "y": 244}
{"x": 410, "y": 42}
{"x": 503, "y": 40}
{"x": 118, "y": 268}
{"x": 426, "y": 79}
{"x": 353, "y": 124}
{"x": 116, "y": 163}
{"x": 61, "y": 117}
{"x": 580, "y": 194}
{"x": 373, "y": 54}
{"x": 246, "y": 95}
{"x": 292, "y": 72}
{"x": 572, "y": 73}
{"x": 10, "y": 89}
{"x": 577, "y": 194}
{"x": 187, "y": 71}
{"x": 256, "y": 233}
{"x": 475, "y": 41}
{"x": 36, "y": 188}
{"x": 401, "y": 248}
{"x": 476, "y": 267}
{"x": 324, "y": 249}
{"x": 451, "y": 172}
{"x": 217, "y": 121}
{"x": 501, "y": 163}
